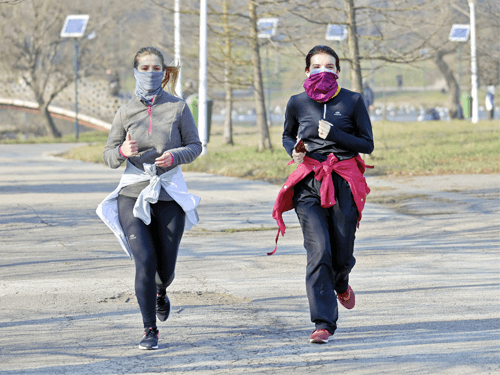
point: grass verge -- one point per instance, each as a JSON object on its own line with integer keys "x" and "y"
{"x": 410, "y": 148}
{"x": 436, "y": 147}
{"x": 416, "y": 148}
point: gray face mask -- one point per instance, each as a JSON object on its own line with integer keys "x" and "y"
{"x": 148, "y": 84}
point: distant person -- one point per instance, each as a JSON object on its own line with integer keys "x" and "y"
{"x": 154, "y": 133}
{"x": 326, "y": 127}
{"x": 113, "y": 83}
{"x": 368, "y": 97}
{"x": 399, "y": 79}
{"x": 490, "y": 102}
{"x": 189, "y": 89}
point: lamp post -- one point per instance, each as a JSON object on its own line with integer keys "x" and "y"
{"x": 475, "y": 101}
{"x": 266, "y": 30}
{"x": 202, "y": 90}
{"x": 74, "y": 26}
{"x": 459, "y": 33}
{"x": 177, "y": 45}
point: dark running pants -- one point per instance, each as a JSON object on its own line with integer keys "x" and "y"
{"x": 329, "y": 241}
{"x": 154, "y": 247}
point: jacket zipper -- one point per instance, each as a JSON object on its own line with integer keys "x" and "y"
{"x": 149, "y": 114}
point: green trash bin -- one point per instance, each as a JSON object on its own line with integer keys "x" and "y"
{"x": 466, "y": 104}
{"x": 192, "y": 102}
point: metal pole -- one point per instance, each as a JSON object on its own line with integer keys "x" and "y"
{"x": 177, "y": 45}
{"x": 460, "y": 115}
{"x": 269, "y": 120}
{"x": 202, "y": 91}
{"x": 475, "y": 101}
{"x": 384, "y": 111}
{"x": 76, "y": 89}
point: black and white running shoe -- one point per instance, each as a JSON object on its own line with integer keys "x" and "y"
{"x": 150, "y": 340}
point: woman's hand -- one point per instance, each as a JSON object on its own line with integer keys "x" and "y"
{"x": 129, "y": 147}
{"x": 164, "y": 161}
{"x": 324, "y": 129}
{"x": 298, "y": 157}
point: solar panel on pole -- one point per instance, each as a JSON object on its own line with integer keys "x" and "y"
{"x": 336, "y": 32}
{"x": 266, "y": 27}
{"x": 74, "y": 27}
{"x": 459, "y": 33}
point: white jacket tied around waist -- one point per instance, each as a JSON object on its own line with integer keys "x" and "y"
{"x": 171, "y": 181}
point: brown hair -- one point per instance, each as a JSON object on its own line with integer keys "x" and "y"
{"x": 171, "y": 72}
{"x": 322, "y": 49}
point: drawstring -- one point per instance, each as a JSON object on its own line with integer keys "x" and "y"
{"x": 324, "y": 112}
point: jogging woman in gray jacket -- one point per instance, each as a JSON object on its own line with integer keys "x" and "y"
{"x": 155, "y": 133}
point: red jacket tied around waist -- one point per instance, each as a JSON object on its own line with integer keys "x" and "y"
{"x": 350, "y": 170}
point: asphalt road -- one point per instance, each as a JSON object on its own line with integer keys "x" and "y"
{"x": 426, "y": 279}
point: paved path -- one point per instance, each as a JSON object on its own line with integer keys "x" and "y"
{"x": 426, "y": 280}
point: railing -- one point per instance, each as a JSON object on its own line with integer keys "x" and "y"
{"x": 57, "y": 112}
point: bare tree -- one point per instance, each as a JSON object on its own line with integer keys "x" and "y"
{"x": 356, "y": 77}
{"x": 229, "y": 26}
{"x": 382, "y": 32}
{"x": 429, "y": 29}
{"x": 376, "y": 29}
{"x": 488, "y": 14}
{"x": 449, "y": 77}
{"x": 230, "y": 33}
{"x": 318, "y": 15}
{"x": 228, "y": 89}
{"x": 264, "y": 141}
{"x": 30, "y": 51}
{"x": 33, "y": 51}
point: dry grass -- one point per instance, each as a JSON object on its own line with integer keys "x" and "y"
{"x": 411, "y": 148}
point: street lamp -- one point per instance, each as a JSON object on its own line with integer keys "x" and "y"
{"x": 202, "y": 88}
{"x": 266, "y": 28}
{"x": 475, "y": 101}
{"x": 74, "y": 26}
{"x": 177, "y": 45}
{"x": 459, "y": 33}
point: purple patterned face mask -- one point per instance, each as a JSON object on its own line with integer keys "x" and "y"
{"x": 321, "y": 85}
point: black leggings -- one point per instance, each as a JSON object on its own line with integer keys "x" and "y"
{"x": 154, "y": 247}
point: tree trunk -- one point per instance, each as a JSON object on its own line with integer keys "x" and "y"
{"x": 264, "y": 141}
{"x": 228, "y": 122}
{"x": 352, "y": 35}
{"x": 451, "y": 82}
{"x": 49, "y": 125}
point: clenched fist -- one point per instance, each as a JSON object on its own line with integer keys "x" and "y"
{"x": 298, "y": 157}
{"x": 165, "y": 160}
{"x": 129, "y": 147}
{"x": 324, "y": 129}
